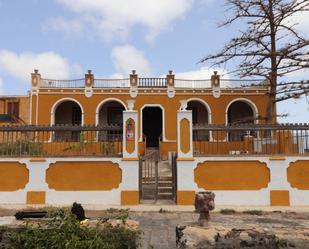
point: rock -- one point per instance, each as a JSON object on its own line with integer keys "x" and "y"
{"x": 193, "y": 237}
{"x": 196, "y": 237}
{"x": 7, "y": 220}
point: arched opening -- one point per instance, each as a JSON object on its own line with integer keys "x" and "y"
{"x": 200, "y": 118}
{"x": 110, "y": 117}
{"x": 240, "y": 113}
{"x": 152, "y": 125}
{"x": 68, "y": 113}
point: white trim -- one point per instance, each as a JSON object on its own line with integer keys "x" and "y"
{"x": 247, "y": 101}
{"x": 30, "y": 108}
{"x": 163, "y": 121}
{"x": 60, "y": 101}
{"x": 203, "y": 102}
{"x": 37, "y": 109}
{"x": 99, "y": 106}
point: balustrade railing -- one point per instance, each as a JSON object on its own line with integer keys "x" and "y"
{"x": 49, "y": 83}
{"x": 152, "y": 82}
{"x": 251, "y": 140}
{"x": 60, "y": 141}
{"x": 111, "y": 83}
{"x": 181, "y": 83}
{"x": 243, "y": 83}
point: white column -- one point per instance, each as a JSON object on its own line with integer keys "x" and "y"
{"x": 127, "y": 138}
{"x": 184, "y": 115}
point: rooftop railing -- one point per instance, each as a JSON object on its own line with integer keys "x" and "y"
{"x": 182, "y": 83}
{"x": 49, "y": 83}
{"x": 142, "y": 82}
{"x": 251, "y": 140}
{"x": 152, "y": 82}
{"x": 111, "y": 83}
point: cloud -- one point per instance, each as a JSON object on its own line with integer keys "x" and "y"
{"x": 126, "y": 58}
{"x": 117, "y": 18}
{"x": 73, "y": 27}
{"x": 50, "y": 65}
{"x": 1, "y": 86}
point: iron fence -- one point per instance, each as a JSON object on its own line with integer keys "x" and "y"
{"x": 288, "y": 139}
{"x": 60, "y": 141}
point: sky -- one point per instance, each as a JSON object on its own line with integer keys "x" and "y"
{"x": 65, "y": 38}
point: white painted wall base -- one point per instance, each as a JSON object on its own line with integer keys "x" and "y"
{"x": 37, "y": 175}
{"x": 278, "y": 181}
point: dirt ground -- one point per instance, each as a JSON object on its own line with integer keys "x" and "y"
{"x": 159, "y": 227}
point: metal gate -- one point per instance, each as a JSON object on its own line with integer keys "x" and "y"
{"x": 149, "y": 176}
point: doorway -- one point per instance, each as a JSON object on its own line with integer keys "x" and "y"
{"x": 152, "y": 126}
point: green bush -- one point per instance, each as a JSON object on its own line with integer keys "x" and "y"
{"x": 67, "y": 233}
{"x": 21, "y": 148}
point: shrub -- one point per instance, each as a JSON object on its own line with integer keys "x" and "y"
{"x": 21, "y": 148}
{"x": 67, "y": 233}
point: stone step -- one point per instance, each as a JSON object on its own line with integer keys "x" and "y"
{"x": 165, "y": 190}
{"x": 165, "y": 196}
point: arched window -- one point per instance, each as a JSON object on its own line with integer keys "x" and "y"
{"x": 110, "y": 116}
{"x": 240, "y": 113}
{"x": 200, "y": 117}
{"x": 68, "y": 113}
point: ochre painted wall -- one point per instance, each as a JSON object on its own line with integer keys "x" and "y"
{"x": 13, "y": 176}
{"x": 232, "y": 175}
{"x": 298, "y": 175}
{"x": 170, "y": 105}
{"x": 185, "y": 136}
{"x": 83, "y": 176}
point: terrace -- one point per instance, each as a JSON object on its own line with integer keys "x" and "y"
{"x": 107, "y": 141}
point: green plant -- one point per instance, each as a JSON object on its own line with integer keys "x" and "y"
{"x": 67, "y": 233}
{"x": 21, "y": 148}
{"x": 227, "y": 211}
{"x": 254, "y": 212}
{"x": 108, "y": 148}
{"x": 113, "y": 213}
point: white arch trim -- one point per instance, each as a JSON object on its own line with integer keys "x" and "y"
{"x": 97, "y": 112}
{"x": 163, "y": 120}
{"x": 247, "y": 101}
{"x": 203, "y": 102}
{"x": 60, "y": 101}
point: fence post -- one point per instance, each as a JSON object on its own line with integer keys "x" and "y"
{"x": 130, "y": 135}
{"x": 184, "y": 133}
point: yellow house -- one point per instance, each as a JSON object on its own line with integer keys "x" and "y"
{"x": 92, "y": 101}
{"x": 126, "y": 141}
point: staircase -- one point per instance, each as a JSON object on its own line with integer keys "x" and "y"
{"x": 156, "y": 186}
{"x": 165, "y": 188}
